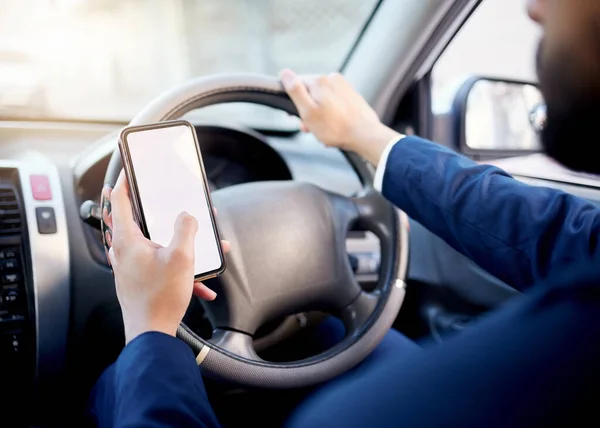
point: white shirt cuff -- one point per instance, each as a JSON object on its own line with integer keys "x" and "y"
{"x": 380, "y": 171}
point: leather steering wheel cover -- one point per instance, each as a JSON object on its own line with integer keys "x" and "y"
{"x": 219, "y": 363}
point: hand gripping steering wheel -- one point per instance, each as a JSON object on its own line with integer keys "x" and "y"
{"x": 288, "y": 254}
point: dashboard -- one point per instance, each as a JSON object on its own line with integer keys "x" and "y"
{"x": 232, "y": 156}
{"x": 60, "y": 322}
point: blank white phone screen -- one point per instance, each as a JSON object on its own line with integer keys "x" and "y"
{"x": 169, "y": 180}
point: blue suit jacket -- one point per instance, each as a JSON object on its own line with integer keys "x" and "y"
{"x": 521, "y": 234}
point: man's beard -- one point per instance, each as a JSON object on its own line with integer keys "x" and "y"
{"x": 572, "y": 130}
{"x": 571, "y": 136}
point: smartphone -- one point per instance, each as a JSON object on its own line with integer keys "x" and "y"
{"x": 166, "y": 176}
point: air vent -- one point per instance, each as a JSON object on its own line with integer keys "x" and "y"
{"x": 10, "y": 214}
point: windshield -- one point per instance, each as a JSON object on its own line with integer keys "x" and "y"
{"x": 104, "y": 60}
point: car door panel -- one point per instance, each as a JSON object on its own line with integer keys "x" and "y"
{"x": 437, "y": 263}
{"x": 444, "y": 285}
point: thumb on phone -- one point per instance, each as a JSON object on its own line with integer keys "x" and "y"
{"x": 182, "y": 243}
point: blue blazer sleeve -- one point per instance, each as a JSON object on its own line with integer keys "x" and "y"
{"x": 518, "y": 233}
{"x": 155, "y": 382}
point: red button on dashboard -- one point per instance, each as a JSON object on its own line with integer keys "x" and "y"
{"x": 40, "y": 187}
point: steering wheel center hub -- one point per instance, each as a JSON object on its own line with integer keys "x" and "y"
{"x": 289, "y": 253}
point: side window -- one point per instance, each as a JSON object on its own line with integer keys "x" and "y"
{"x": 497, "y": 41}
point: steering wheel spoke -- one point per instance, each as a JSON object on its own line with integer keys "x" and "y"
{"x": 375, "y": 214}
{"x": 238, "y": 343}
{"x": 357, "y": 313}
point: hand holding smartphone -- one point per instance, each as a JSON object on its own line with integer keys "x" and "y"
{"x": 166, "y": 176}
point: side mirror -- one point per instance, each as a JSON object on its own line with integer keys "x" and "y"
{"x": 495, "y": 118}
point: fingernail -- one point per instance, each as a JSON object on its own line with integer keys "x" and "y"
{"x": 287, "y": 77}
{"x": 211, "y": 294}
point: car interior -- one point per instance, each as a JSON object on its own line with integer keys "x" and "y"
{"x": 60, "y": 320}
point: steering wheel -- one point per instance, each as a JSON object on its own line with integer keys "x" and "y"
{"x": 288, "y": 254}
